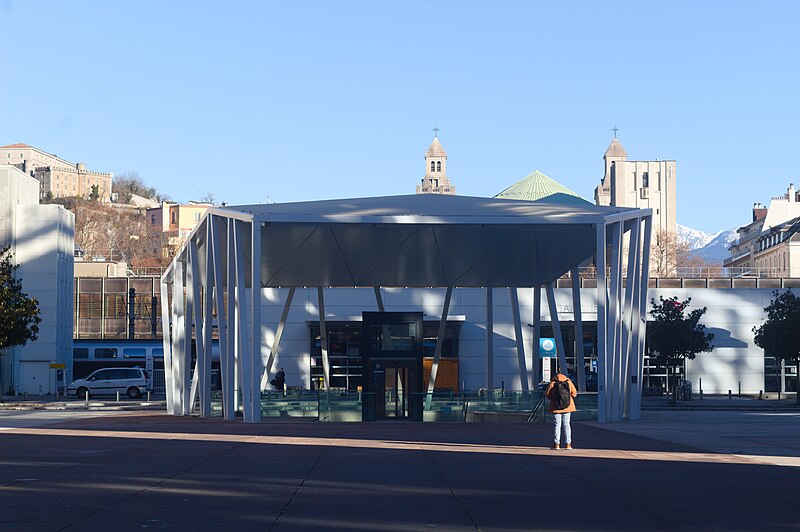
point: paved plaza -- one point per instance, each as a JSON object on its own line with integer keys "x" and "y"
{"x": 143, "y": 470}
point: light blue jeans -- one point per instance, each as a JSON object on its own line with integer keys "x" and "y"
{"x": 558, "y": 421}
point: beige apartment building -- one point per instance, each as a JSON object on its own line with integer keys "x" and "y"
{"x": 175, "y": 221}
{"x": 57, "y": 177}
{"x": 639, "y": 184}
{"x": 436, "y": 180}
{"x": 777, "y": 250}
{"x": 768, "y": 244}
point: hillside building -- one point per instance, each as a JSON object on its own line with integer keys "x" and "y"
{"x": 57, "y": 177}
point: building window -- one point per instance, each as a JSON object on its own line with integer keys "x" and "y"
{"x": 152, "y": 219}
{"x": 174, "y": 217}
{"x": 645, "y": 179}
{"x": 438, "y": 166}
{"x": 197, "y": 217}
{"x": 433, "y": 166}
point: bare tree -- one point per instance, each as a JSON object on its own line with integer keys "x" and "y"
{"x": 667, "y": 253}
{"x": 126, "y": 184}
{"x": 209, "y": 198}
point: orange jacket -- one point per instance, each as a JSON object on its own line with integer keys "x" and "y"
{"x": 572, "y": 392}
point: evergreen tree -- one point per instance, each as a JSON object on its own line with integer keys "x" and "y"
{"x": 779, "y": 336}
{"x": 19, "y": 314}
{"x": 673, "y": 336}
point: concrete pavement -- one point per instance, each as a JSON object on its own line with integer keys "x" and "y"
{"x": 145, "y": 470}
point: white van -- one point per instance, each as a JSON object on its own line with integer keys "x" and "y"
{"x": 109, "y": 381}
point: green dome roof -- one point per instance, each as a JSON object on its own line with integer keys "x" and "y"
{"x": 538, "y": 186}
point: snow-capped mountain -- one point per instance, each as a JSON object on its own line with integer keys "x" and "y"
{"x": 695, "y": 237}
{"x": 712, "y": 247}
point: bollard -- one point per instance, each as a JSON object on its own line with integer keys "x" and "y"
{"x": 729, "y": 395}
{"x": 118, "y": 396}
{"x": 760, "y": 393}
{"x": 148, "y": 396}
{"x": 740, "y": 389}
{"x": 86, "y": 397}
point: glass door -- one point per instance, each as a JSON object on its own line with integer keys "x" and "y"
{"x": 396, "y": 396}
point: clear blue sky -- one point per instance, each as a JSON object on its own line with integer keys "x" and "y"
{"x": 310, "y": 100}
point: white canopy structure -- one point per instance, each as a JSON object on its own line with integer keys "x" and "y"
{"x": 424, "y": 240}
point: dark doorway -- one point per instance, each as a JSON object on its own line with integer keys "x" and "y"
{"x": 392, "y": 344}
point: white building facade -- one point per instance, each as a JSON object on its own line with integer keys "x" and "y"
{"x": 42, "y": 240}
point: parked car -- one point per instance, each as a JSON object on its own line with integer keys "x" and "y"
{"x": 108, "y": 381}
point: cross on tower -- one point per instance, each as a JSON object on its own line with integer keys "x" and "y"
{"x": 614, "y": 129}
{"x": 436, "y": 132}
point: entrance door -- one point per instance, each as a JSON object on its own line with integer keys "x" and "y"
{"x": 396, "y": 389}
{"x": 395, "y": 393}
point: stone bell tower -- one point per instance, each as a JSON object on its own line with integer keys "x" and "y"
{"x": 436, "y": 180}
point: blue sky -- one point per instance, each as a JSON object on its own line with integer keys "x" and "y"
{"x": 291, "y": 101}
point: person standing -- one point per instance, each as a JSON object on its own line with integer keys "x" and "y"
{"x": 561, "y": 393}
{"x": 280, "y": 381}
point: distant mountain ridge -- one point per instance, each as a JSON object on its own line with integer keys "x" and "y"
{"x": 711, "y": 247}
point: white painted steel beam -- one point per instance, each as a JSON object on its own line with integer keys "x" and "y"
{"x": 245, "y": 359}
{"x": 614, "y": 311}
{"x": 577, "y": 318}
{"x": 379, "y": 298}
{"x": 208, "y": 322}
{"x": 489, "y": 339}
{"x": 523, "y": 369}
{"x": 556, "y": 324}
{"x": 323, "y": 339}
{"x": 437, "y": 352}
{"x": 631, "y": 316}
{"x": 537, "y": 335}
{"x": 602, "y": 336}
{"x": 218, "y": 227}
{"x": 194, "y": 288}
{"x": 256, "y": 358}
{"x": 276, "y": 341}
{"x": 166, "y": 343}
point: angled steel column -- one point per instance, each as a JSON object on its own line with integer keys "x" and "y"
{"x": 166, "y": 343}
{"x": 378, "y": 298}
{"x": 225, "y": 352}
{"x": 537, "y": 335}
{"x": 551, "y": 303}
{"x": 523, "y": 369}
{"x": 602, "y": 333}
{"x": 489, "y": 339}
{"x": 437, "y": 352}
{"x": 208, "y": 322}
{"x": 178, "y": 340}
{"x": 245, "y": 356}
{"x": 188, "y": 323}
{"x": 630, "y": 385}
{"x": 614, "y": 312}
{"x": 257, "y": 359}
{"x": 194, "y": 286}
{"x": 323, "y": 339}
{"x": 636, "y": 407}
{"x": 234, "y": 351}
{"x": 277, "y": 339}
{"x": 580, "y": 356}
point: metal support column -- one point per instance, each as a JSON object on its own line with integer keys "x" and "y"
{"x": 277, "y": 339}
{"x": 437, "y": 352}
{"x": 323, "y": 339}
{"x": 577, "y": 318}
{"x": 256, "y": 358}
{"x": 556, "y": 324}
{"x": 537, "y": 335}
{"x": 489, "y": 339}
{"x": 602, "y": 333}
{"x": 523, "y": 370}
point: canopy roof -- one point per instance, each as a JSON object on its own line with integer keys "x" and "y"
{"x": 421, "y": 240}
